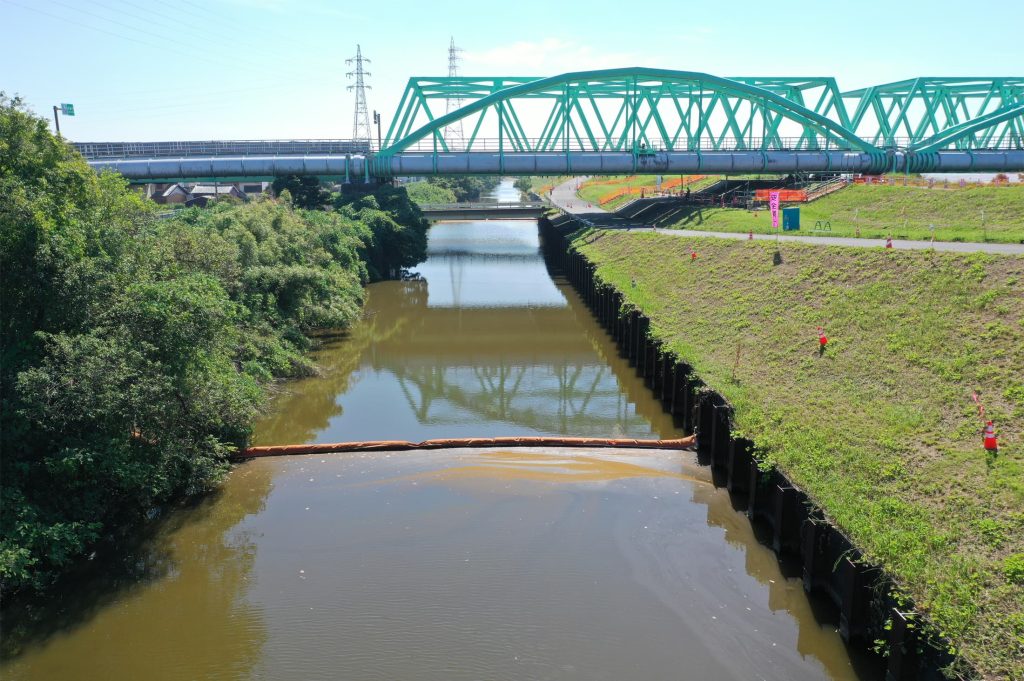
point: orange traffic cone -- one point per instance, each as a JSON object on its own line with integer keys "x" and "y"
{"x": 822, "y": 338}
{"x": 888, "y": 242}
{"x": 989, "y": 438}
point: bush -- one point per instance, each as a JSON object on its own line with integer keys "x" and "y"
{"x": 425, "y": 192}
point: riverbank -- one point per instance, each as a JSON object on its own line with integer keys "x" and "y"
{"x": 976, "y": 213}
{"x": 138, "y": 352}
{"x": 945, "y": 211}
{"x": 879, "y": 429}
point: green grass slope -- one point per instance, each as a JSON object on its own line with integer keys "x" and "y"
{"x": 971, "y": 214}
{"x": 880, "y": 429}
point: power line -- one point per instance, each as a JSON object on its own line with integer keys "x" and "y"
{"x": 134, "y": 28}
{"x": 194, "y": 28}
{"x": 94, "y": 28}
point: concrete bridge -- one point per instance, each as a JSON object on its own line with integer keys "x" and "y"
{"x": 635, "y": 120}
{"x": 483, "y": 210}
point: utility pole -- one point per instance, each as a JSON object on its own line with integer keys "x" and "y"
{"x": 56, "y": 119}
{"x": 376, "y": 119}
{"x": 453, "y": 133}
{"x": 361, "y": 120}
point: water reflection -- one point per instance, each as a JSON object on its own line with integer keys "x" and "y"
{"x": 452, "y": 565}
{"x": 145, "y": 616}
{"x": 483, "y": 341}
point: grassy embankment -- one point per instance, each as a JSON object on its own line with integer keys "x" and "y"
{"x": 593, "y": 190}
{"x": 976, "y": 213}
{"x": 880, "y": 429}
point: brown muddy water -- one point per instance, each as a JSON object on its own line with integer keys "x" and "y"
{"x": 463, "y": 564}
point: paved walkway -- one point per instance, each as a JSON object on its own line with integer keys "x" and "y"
{"x": 564, "y": 197}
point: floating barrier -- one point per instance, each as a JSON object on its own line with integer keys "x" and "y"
{"x": 463, "y": 442}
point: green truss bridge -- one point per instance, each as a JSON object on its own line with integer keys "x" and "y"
{"x": 636, "y": 120}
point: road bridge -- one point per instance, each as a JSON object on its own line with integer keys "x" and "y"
{"x": 483, "y": 210}
{"x": 639, "y": 120}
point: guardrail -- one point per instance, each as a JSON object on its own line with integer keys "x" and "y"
{"x": 189, "y": 148}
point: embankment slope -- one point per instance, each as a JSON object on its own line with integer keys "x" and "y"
{"x": 880, "y": 429}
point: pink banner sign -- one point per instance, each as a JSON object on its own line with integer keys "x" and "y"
{"x": 773, "y": 203}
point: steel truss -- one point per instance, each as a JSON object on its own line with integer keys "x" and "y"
{"x": 642, "y": 110}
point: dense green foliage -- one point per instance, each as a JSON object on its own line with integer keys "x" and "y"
{"x": 427, "y": 192}
{"x": 397, "y": 230}
{"x": 135, "y": 350}
{"x": 304, "y": 192}
{"x": 879, "y": 429}
{"x": 468, "y": 187}
{"x": 523, "y": 184}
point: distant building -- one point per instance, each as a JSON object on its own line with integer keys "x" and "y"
{"x": 174, "y": 194}
{"x": 192, "y": 194}
{"x": 216, "y": 190}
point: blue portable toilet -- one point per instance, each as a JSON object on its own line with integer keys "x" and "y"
{"x": 790, "y": 219}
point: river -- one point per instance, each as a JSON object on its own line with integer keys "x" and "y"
{"x": 470, "y": 564}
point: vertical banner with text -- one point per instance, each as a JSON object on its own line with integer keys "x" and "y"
{"x": 773, "y": 203}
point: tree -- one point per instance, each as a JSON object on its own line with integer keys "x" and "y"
{"x": 426, "y": 192}
{"x": 467, "y": 187}
{"x": 306, "y": 192}
{"x": 134, "y": 352}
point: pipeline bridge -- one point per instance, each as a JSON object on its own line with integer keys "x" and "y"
{"x": 632, "y": 120}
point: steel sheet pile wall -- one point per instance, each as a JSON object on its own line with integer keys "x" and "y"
{"x": 832, "y": 566}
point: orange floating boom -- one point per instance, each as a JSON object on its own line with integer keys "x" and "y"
{"x": 461, "y": 442}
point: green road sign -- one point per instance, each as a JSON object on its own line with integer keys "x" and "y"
{"x": 67, "y": 109}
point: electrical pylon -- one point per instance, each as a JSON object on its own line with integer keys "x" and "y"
{"x": 453, "y": 133}
{"x": 361, "y": 129}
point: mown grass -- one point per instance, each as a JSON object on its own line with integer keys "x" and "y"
{"x": 879, "y": 429}
{"x": 974, "y": 213}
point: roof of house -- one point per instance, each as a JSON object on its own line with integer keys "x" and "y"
{"x": 173, "y": 189}
{"x": 209, "y": 189}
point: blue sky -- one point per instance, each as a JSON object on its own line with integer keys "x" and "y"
{"x": 251, "y": 69}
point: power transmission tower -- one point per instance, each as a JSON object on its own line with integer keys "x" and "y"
{"x": 361, "y": 121}
{"x": 453, "y": 133}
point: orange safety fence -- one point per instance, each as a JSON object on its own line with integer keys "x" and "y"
{"x": 610, "y": 180}
{"x": 636, "y": 191}
{"x": 785, "y": 195}
{"x": 906, "y": 181}
{"x": 462, "y": 442}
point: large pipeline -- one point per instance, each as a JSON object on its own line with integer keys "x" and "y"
{"x": 463, "y": 442}
{"x": 357, "y": 168}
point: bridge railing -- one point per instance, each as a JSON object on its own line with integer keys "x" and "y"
{"x": 482, "y": 205}
{"x": 534, "y": 145}
{"x": 101, "y": 150}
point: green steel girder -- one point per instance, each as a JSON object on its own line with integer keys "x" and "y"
{"x": 730, "y": 114}
{"x": 622, "y": 109}
{"x": 909, "y": 112}
{"x": 1012, "y": 114}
